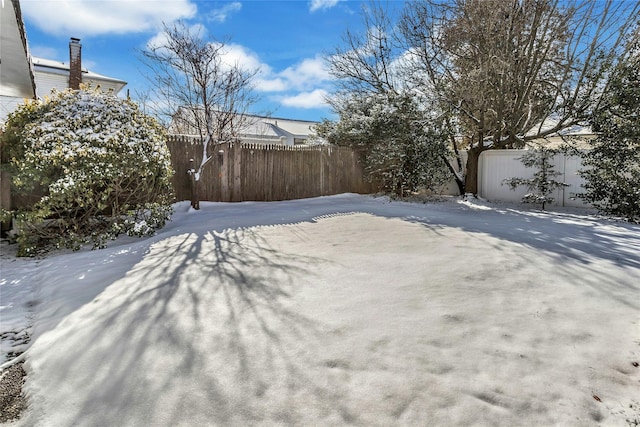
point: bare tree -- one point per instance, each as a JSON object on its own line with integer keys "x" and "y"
{"x": 375, "y": 65}
{"x": 368, "y": 63}
{"x": 198, "y": 91}
{"x": 514, "y": 71}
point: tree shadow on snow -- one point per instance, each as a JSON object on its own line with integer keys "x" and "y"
{"x": 203, "y": 324}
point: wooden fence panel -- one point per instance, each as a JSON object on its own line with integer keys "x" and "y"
{"x": 255, "y": 172}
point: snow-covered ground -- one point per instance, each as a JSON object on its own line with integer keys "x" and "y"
{"x": 334, "y": 311}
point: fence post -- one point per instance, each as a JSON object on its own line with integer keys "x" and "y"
{"x": 223, "y": 160}
{"x": 236, "y": 193}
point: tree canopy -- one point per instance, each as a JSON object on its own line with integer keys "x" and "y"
{"x": 402, "y": 149}
{"x": 502, "y": 72}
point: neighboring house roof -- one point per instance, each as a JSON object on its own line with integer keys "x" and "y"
{"x": 261, "y": 130}
{"x": 551, "y": 122}
{"x": 47, "y": 66}
{"x": 23, "y": 77}
{"x": 577, "y": 135}
{"x": 278, "y": 127}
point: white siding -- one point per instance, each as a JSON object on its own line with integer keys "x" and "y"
{"x": 105, "y": 86}
{"x": 572, "y": 164}
{"x": 45, "y": 82}
{"x": 7, "y": 105}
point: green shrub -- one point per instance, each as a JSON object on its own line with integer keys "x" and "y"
{"x": 612, "y": 165}
{"x": 103, "y": 164}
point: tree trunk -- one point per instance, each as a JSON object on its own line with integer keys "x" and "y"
{"x": 195, "y": 187}
{"x": 195, "y": 194}
{"x": 461, "y": 185}
{"x": 471, "y": 179}
{"x": 456, "y": 176}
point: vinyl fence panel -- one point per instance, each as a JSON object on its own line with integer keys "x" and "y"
{"x": 497, "y": 165}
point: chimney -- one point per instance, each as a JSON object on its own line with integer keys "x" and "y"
{"x": 75, "y": 63}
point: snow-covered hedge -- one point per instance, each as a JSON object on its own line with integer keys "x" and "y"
{"x": 103, "y": 165}
{"x": 403, "y": 146}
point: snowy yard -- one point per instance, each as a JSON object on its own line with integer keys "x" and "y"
{"x": 342, "y": 310}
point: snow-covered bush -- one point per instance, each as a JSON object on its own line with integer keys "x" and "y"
{"x": 102, "y": 164}
{"x": 403, "y": 148}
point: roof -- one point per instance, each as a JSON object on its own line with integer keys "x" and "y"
{"x": 58, "y": 67}
{"x": 18, "y": 68}
{"x": 256, "y": 126}
{"x": 273, "y": 126}
{"x": 551, "y": 122}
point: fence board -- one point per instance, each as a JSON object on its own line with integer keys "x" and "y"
{"x": 267, "y": 172}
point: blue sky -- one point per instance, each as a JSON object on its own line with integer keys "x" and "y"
{"x": 285, "y": 39}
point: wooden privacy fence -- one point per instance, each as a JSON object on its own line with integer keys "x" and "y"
{"x": 240, "y": 172}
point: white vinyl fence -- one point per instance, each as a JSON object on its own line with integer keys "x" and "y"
{"x": 498, "y": 165}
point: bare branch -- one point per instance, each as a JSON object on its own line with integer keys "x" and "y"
{"x": 198, "y": 91}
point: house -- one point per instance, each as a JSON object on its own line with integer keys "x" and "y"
{"x": 25, "y": 77}
{"x": 269, "y": 130}
{"x": 56, "y": 75}
{"x": 257, "y": 129}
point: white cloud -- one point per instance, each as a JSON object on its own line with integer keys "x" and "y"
{"x": 232, "y": 54}
{"x": 271, "y": 85}
{"x": 221, "y": 15}
{"x": 157, "y": 41}
{"x": 310, "y": 71}
{"x": 86, "y": 17}
{"x": 235, "y": 54}
{"x": 303, "y": 85}
{"x": 306, "y": 75}
{"x": 322, "y": 4}
{"x": 313, "y": 99}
